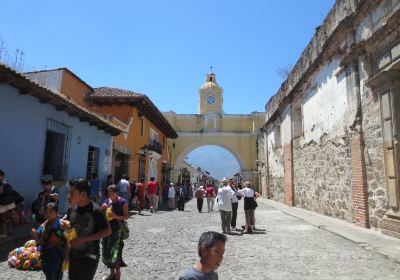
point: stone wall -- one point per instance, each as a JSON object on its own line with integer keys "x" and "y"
{"x": 322, "y": 178}
{"x": 276, "y": 188}
{"x": 374, "y": 158}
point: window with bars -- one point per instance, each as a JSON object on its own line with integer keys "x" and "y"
{"x": 92, "y": 166}
{"x": 57, "y": 149}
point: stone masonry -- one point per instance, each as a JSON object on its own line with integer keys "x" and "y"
{"x": 339, "y": 107}
{"x": 322, "y": 179}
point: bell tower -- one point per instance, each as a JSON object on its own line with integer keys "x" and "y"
{"x": 211, "y": 96}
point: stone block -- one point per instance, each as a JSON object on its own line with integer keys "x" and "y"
{"x": 383, "y": 60}
{"x": 390, "y": 164}
{"x": 392, "y": 192}
{"x": 386, "y": 108}
{"x": 387, "y": 134}
{"x": 395, "y": 52}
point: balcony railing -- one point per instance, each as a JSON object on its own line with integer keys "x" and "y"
{"x": 155, "y": 147}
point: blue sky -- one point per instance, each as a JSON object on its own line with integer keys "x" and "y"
{"x": 165, "y": 48}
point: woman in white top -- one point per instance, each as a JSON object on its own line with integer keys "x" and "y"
{"x": 250, "y": 205}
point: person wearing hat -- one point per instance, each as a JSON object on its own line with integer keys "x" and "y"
{"x": 200, "y": 193}
{"x": 224, "y": 200}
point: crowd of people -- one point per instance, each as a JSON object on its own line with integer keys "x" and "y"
{"x": 228, "y": 196}
{"x": 98, "y": 215}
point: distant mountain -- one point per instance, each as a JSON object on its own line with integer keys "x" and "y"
{"x": 216, "y": 160}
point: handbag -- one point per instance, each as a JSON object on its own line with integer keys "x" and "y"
{"x": 125, "y": 230}
{"x": 255, "y": 204}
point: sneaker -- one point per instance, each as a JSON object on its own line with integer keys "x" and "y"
{"x": 151, "y": 210}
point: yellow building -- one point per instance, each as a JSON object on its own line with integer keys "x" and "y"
{"x": 141, "y": 153}
{"x": 235, "y": 132}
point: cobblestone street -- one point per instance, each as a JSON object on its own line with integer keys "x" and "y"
{"x": 163, "y": 245}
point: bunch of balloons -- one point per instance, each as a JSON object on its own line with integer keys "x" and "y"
{"x": 26, "y": 257}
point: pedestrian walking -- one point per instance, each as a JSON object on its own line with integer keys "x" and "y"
{"x": 95, "y": 189}
{"x": 123, "y": 187}
{"x": 157, "y": 197}
{"x": 210, "y": 192}
{"x": 171, "y": 196}
{"x": 182, "y": 198}
{"x": 250, "y": 205}
{"x": 50, "y": 237}
{"x": 113, "y": 244}
{"x": 200, "y": 193}
{"x": 91, "y": 226}
{"x": 211, "y": 249}
{"x": 151, "y": 192}
{"x": 140, "y": 196}
{"x": 133, "y": 193}
{"x": 224, "y": 200}
{"x": 235, "y": 203}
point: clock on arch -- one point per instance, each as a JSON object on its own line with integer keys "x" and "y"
{"x": 210, "y": 99}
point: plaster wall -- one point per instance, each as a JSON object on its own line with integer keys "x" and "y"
{"x": 23, "y": 139}
{"x": 49, "y": 79}
{"x": 286, "y": 126}
{"x": 275, "y": 167}
{"x": 326, "y": 104}
{"x": 225, "y": 123}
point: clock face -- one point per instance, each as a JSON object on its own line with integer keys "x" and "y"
{"x": 210, "y": 99}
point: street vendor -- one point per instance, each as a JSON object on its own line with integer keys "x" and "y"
{"x": 8, "y": 202}
{"x": 49, "y": 194}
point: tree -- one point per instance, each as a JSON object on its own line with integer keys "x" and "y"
{"x": 284, "y": 71}
{"x": 16, "y": 61}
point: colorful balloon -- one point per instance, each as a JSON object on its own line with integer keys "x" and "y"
{"x": 27, "y": 264}
{"x": 30, "y": 243}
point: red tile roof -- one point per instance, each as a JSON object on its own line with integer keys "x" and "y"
{"x": 115, "y": 92}
{"x": 109, "y": 95}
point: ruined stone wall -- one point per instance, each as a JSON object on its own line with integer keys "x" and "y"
{"x": 322, "y": 178}
{"x": 276, "y": 184}
{"x": 374, "y": 158}
{"x": 276, "y": 190}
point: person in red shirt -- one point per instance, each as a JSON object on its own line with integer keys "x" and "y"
{"x": 210, "y": 193}
{"x": 151, "y": 192}
{"x": 140, "y": 196}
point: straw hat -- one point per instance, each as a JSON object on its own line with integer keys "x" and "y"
{"x": 225, "y": 180}
{"x": 247, "y": 184}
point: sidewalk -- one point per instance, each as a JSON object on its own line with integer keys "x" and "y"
{"x": 369, "y": 239}
{"x": 16, "y": 234}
